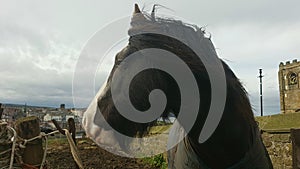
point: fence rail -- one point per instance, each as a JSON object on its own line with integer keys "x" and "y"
{"x": 276, "y": 131}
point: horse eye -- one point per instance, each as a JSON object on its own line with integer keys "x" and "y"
{"x": 118, "y": 60}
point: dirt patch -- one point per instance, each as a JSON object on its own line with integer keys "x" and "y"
{"x": 92, "y": 156}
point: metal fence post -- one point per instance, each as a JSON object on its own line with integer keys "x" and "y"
{"x": 295, "y": 136}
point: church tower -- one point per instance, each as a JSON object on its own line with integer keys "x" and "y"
{"x": 289, "y": 86}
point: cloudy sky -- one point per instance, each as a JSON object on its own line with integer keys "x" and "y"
{"x": 41, "y": 41}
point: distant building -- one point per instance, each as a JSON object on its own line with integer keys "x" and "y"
{"x": 289, "y": 86}
{"x": 57, "y": 118}
{"x": 47, "y": 117}
{"x": 69, "y": 116}
{"x": 77, "y": 112}
{"x": 62, "y": 106}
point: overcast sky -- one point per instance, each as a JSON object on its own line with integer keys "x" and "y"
{"x": 40, "y": 42}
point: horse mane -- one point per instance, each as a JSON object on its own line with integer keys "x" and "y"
{"x": 141, "y": 24}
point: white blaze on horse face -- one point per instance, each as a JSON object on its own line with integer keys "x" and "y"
{"x": 96, "y": 133}
{"x": 89, "y": 114}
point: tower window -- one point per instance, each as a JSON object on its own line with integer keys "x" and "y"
{"x": 293, "y": 79}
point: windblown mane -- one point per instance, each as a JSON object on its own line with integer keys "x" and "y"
{"x": 190, "y": 34}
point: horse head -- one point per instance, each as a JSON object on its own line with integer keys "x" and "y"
{"x": 142, "y": 87}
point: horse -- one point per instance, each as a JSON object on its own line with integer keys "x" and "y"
{"x": 235, "y": 143}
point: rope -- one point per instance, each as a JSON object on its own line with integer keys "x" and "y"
{"x": 45, "y": 152}
{"x": 9, "y": 139}
{"x": 23, "y": 142}
{"x": 13, "y": 147}
{"x": 42, "y": 135}
{"x": 74, "y": 149}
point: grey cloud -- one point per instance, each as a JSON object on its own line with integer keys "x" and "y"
{"x": 40, "y": 42}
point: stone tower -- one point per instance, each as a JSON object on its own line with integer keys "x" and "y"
{"x": 289, "y": 86}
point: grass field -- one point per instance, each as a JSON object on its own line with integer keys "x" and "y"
{"x": 159, "y": 129}
{"x": 279, "y": 121}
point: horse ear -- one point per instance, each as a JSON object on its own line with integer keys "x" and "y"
{"x": 137, "y": 19}
{"x": 136, "y": 9}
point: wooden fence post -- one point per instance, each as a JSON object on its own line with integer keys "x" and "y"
{"x": 28, "y": 128}
{"x": 295, "y": 136}
{"x": 5, "y": 145}
{"x": 72, "y": 129}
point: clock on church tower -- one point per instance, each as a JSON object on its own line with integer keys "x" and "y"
{"x": 293, "y": 79}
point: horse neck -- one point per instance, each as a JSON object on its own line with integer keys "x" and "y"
{"x": 233, "y": 136}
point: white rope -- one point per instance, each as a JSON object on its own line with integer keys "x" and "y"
{"x": 74, "y": 149}
{"x": 15, "y": 138}
{"x": 42, "y": 135}
{"x": 45, "y": 152}
{"x": 36, "y": 137}
{"x": 12, "y": 149}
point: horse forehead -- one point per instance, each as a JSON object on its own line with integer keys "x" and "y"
{"x": 101, "y": 90}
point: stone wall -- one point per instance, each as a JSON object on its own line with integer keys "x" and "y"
{"x": 279, "y": 147}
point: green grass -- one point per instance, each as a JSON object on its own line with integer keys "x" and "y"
{"x": 279, "y": 121}
{"x": 157, "y": 161}
{"x": 57, "y": 141}
{"x": 159, "y": 129}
